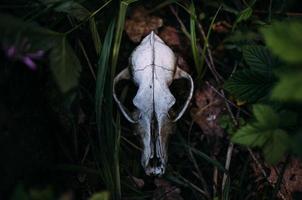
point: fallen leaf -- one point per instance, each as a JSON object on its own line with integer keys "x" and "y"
{"x": 221, "y": 27}
{"x": 165, "y": 191}
{"x": 170, "y": 36}
{"x": 209, "y": 107}
{"x": 139, "y": 183}
{"x": 292, "y": 179}
{"x": 141, "y": 24}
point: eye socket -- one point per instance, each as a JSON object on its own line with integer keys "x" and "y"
{"x": 126, "y": 91}
{"x": 179, "y": 89}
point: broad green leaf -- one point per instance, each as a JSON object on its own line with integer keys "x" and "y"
{"x": 289, "y": 87}
{"x": 284, "y": 39}
{"x": 249, "y": 85}
{"x": 14, "y": 30}
{"x": 100, "y": 196}
{"x": 275, "y": 148}
{"x": 80, "y": 13}
{"x": 65, "y": 66}
{"x": 250, "y": 135}
{"x": 259, "y": 58}
{"x": 265, "y": 115}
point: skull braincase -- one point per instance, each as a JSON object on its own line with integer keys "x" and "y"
{"x": 153, "y": 68}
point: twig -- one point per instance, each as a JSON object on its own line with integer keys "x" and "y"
{"x": 227, "y": 163}
{"x": 230, "y": 102}
{"x": 87, "y": 59}
{"x": 212, "y": 67}
{"x": 182, "y": 26}
{"x": 131, "y": 144}
{"x": 280, "y": 178}
{"x": 87, "y": 18}
{"x": 258, "y": 163}
{"x": 193, "y": 186}
{"x": 215, "y": 180}
{"x": 192, "y": 158}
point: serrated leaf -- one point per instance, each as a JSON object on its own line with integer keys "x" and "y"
{"x": 276, "y": 147}
{"x": 259, "y": 58}
{"x": 65, "y": 66}
{"x": 289, "y": 87}
{"x": 265, "y": 115}
{"x": 250, "y": 135}
{"x": 284, "y": 39}
{"x": 249, "y": 85}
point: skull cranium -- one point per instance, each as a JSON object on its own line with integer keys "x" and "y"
{"x": 153, "y": 69}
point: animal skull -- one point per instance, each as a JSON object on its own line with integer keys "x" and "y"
{"x": 153, "y": 69}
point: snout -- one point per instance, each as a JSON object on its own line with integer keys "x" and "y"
{"x": 155, "y": 162}
{"x": 155, "y": 155}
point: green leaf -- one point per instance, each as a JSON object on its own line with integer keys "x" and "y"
{"x": 284, "y": 39}
{"x": 65, "y": 66}
{"x": 289, "y": 87}
{"x": 14, "y": 29}
{"x": 103, "y": 66}
{"x": 249, "y": 85}
{"x": 276, "y": 147}
{"x": 244, "y": 15}
{"x": 259, "y": 58}
{"x": 250, "y": 135}
{"x": 80, "y": 13}
{"x": 100, "y": 196}
{"x": 265, "y": 115}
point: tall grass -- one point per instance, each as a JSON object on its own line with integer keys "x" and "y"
{"x": 108, "y": 128}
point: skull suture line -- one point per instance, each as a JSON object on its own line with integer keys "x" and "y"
{"x": 153, "y": 68}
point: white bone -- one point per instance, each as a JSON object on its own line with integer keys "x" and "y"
{"x": 153, "y": 69}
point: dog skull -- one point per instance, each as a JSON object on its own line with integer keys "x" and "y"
{"x": 153, "y": 69}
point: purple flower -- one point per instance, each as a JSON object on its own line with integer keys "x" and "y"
{"x": 21, "y": 51}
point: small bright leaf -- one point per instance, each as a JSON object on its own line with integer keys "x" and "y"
{"x": 266, "y": 115}
{"x": 250, "y": 135}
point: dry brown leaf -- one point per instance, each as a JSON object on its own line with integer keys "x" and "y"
{"x": 292, "y": 179}
{"x": 209, "y": 107}
{"x": 170, "y": 36}
{"x": 141, "y": 24}
{"x": 221, "y": 27}
{"x": 139, "y": 183}
{"x": 165, "y": 191}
